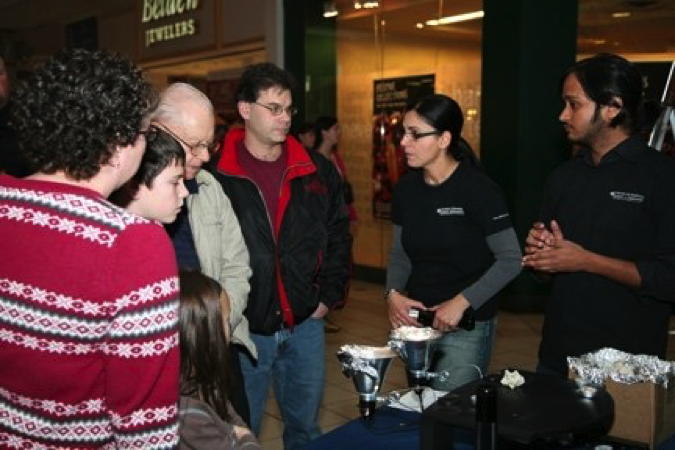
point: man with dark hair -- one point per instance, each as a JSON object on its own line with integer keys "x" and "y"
{"x": 296, "y": 227}
{"x": 606, "y": 235}
{"x": 88, "y": 292}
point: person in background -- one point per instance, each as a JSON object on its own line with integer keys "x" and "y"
{"x": 207, "y": 418}
{"x": 327, "y": 137}
{"x": 453, "y": 247}
{"x": 306, "y": 136}
{"x": 89, "y": 341}
{"x": 156, "y": 191}
{"x": 206, "y": 234}
{"x": 296, "y": 226}
{"x": 11, "y": 161}
{"x": 605, "y": 236}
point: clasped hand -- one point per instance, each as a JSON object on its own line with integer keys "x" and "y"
{"x": 548, "y": 251}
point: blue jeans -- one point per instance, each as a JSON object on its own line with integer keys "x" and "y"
{"x": 462, "y": 352}
{"x": 297, "y": 365}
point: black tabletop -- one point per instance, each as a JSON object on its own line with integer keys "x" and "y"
{"x": 543, "y": 408}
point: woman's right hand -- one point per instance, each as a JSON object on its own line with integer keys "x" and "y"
{"x": 399, "y": 309}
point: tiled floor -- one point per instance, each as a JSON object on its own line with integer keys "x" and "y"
{"x": 364, "y": 322}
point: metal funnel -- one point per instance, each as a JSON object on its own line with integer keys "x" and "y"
{"x": 367, "y": 367}
{"x": 416, "y": 347}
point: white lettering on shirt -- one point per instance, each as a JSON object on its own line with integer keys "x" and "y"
{"x": 451, "y": 211}
{"x": 627, "y": 197}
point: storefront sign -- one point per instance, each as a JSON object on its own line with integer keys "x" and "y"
{"x": 391, "y": 98}
{"x": 394, "y": 94}
{"x": 180, "y": 23}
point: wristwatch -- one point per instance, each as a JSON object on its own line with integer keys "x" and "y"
{"x": 388, "y": 292}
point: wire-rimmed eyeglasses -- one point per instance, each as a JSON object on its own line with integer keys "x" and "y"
{"x": 195, "y": 149}
{"x": 276, "y": 109}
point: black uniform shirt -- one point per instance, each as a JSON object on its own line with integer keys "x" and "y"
{"x": 623, "y": 208}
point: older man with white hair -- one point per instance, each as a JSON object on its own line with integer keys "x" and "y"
{"x": 206, "y": 234}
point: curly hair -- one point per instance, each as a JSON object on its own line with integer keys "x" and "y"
{"x": 77, "y": 108}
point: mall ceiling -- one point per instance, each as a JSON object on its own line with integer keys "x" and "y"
{"x": 645, "y": 26}
{"x": 648, "y": 29}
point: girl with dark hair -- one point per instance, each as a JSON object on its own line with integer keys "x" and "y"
{"x": 454, "y": 247}
{"x": 207, "y": 419}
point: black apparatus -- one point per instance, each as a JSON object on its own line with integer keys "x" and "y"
{"x": 425, "y": 317}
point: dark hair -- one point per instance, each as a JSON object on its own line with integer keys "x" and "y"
{"x": 323, "y": 123}
{"x": 444, "y": 114}
{"x": 161, "y": 151}
{"x": 305, "y": 128}
{"x": 204, "y": 346}
{"x": 606, "y": 76}
{"x": 260, "y": 77}
{"x": 77, "y": 107}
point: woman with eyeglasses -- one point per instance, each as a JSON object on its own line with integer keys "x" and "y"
{"x": 454, "y": 247}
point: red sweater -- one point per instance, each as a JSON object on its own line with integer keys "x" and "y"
{"x": 88, "y": 322}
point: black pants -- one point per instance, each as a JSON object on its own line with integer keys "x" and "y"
{"x": 237, "y": 391}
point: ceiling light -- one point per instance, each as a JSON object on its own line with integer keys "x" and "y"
{"x": 371, "y": 4}
{"x": 358, "y": 5}
{"x": 620, "y": 15}
{"x": 458, "y": 18}
{"x": 420, "y": 25}
{"x": 329, "y": 9}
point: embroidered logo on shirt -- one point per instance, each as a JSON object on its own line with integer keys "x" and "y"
{"x": 627, "y": 197}
{"x": 501, "y": 216}
{"x": 451, "y": 211}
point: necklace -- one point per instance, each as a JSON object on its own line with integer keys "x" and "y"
{"x": 433, "y": 182}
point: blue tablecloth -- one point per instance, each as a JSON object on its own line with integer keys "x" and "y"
{"x": 388, "y": 429}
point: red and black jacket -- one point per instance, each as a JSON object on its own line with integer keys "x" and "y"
{"x": 303, "y": 258}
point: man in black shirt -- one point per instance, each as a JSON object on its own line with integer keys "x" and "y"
{"x": 606, "y": 235}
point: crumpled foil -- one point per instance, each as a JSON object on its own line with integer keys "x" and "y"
{"x": 512, "y": 379}
{"x": 410, "y": 333}
{"x": 622, "y": 367}
{"x": 358, "y": 358}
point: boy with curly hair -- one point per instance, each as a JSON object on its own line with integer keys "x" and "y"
{"x": 88, "y": 292}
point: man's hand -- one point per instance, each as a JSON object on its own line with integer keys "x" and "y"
{"x": 550, "y": 252}
{"x": 538, "y": 238}
{"x": 320, "y": 311}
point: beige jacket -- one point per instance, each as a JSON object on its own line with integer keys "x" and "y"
{"x": 222, "y": 251}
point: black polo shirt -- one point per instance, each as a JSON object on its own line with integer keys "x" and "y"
{"x": 623, "y": 208}
{"x": 444, "y": 230}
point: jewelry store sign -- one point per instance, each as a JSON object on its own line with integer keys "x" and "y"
{"x": 168, "y": 20}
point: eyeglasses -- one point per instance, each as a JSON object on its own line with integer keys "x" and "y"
{"x": 150, "y": 134}
{"x": 276, "y": 109}
{"x": 416, "y": 135}
{"x": 196, "y": 149}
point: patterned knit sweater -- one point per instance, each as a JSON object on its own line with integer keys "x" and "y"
{"x": 88, "y": 322}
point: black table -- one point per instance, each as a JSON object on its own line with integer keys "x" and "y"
{"x": 544, "y": 410}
